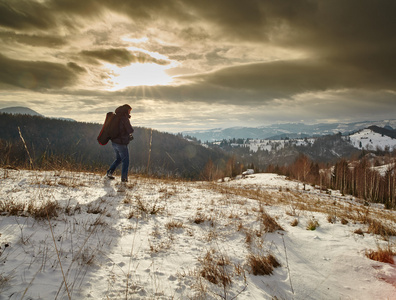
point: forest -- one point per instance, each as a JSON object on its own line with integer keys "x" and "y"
{"x": 44, "y": 143}
{"x": 360, "y": 178}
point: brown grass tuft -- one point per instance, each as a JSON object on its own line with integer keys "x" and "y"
{"x": 173, "y": 224}
{"x": 269, "y": 222}
{"x": 262, "y": 264}
{"x": 312, "y": 224}
{"x": 381, "y": 255}
{"x": 12, "y": 207}
{"x": 46, "y": 210}
{"x": 214, "y": 269}
{"x": 359, "y": 231}
{"x": 376, "y": 227}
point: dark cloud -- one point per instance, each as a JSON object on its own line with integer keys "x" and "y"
{"x": 283, "y": 79}
{"x": 36, "y": 75}
{"x": 76, "y": 67}
{"x": 225, "y": 45}
{"x": 255, "y": 84}
{"x": 122, "y": 57}
{"x": 25, "y": 15}
{"x": 32, "y": 39}
{"x": 194, "y": 34}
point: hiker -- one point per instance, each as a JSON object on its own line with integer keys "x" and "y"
{"x": 120, "y": 143}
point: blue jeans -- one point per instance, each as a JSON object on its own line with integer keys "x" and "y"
{"x": 122, "y": 156}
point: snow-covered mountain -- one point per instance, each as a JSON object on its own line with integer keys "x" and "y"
{"x": 278, "y": 131}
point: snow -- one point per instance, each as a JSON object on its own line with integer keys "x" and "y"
{"x": 368, "y": 139}
{"x": 152, "y": 241}
{"x": 273, "y": 145}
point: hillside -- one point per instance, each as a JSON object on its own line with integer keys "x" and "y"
{"x": 286, "y": 130}
{"x": 322, "y": 149}
{"x": 374, "y": 138}
{"x": 67, "y": 235}
{"x": 58, "y": 143}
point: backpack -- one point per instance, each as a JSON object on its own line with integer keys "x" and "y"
{"x": 110, "y": 129}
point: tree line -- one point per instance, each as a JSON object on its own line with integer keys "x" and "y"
{"x": 44, "y": 143}
{"x": 359, "y": 178}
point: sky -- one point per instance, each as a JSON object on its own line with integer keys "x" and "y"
{"x": 191, "y": 65}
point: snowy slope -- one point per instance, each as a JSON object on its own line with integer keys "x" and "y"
{"x": 368, "y": 139}
{"x": 274, "y": 145}
{"x": 159, "y": 239}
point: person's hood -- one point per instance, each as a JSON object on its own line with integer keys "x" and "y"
{"x": 123, "y": 110}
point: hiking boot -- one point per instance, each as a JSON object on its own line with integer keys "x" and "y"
{"x": 122, "y": 187}
{"x": 109, "y": 175}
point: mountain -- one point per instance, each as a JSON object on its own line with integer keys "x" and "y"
{"x": 20, "y": 110}
{"x": 291, "y": 130}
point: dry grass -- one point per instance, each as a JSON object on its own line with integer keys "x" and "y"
{"x": 294, "y": 223}
{"x": 148, "y": 209}
{"x": 214, "y": 269}
{"x": 12, "y": 208}
{"x": 332, "y": 218}
{"x": 173, "y": 224}
{"x": 312, "y": 224}
{"x": 200, "y": 218}
{"x": 344, "y": 221}
{"x": 262, "y": 264}
{"x": 4, "y": 281}
{"x": 48, "y": 209}
{"x": 379, "y": 228}
{"x": 94, "y": 209}
{"x": 270, "y": 224}
{"x": 359, "y": 231}
{"x": 382, "y": 255}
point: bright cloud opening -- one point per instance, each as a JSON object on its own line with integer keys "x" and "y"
{"x": 138, "y": 74}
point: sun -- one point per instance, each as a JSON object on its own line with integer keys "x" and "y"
{"x": 139, "y": 74}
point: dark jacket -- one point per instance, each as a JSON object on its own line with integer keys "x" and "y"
{"x": 125, "y": 127}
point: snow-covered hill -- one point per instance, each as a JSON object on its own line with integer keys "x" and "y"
{"x": 370, "y": 140}
{"x": 280, "y": 131}
{"x": 363, "y": 139}
{"x": 164, "y": 239}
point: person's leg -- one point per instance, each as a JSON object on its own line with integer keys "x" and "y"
{"x": 117, "y": 161}
{"x": 124, "y": 153}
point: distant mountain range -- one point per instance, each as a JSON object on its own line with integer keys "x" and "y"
{"x": 20, "y": 110}
{"x": 289, "y": 130}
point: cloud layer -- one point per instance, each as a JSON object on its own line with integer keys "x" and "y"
{"x": 251, "y": 58}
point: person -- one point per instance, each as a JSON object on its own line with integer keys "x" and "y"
{"x": 120, "y": 143}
